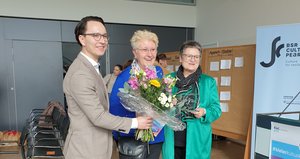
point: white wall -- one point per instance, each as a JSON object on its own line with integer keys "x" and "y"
{"x": 114, "y": 11}
{"x": 234, "y": 22}
{"x": 217, "y": 22}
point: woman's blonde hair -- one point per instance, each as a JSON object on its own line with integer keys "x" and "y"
{"x": 143, "y": 35}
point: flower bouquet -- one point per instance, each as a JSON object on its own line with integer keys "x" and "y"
{"x": 145, "y": 93}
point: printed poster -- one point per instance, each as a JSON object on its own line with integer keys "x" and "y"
{"x": 285, "y": 141}
{"x": 277, "y": 70}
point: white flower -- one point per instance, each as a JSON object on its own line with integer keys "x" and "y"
{"x": 167, "y": 105}
{"x": 163, "y": 102}
{"x": 170, "y": 99}
{"x": 163, "y": 98}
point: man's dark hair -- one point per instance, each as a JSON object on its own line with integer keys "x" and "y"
{"x": 81, "y": 26}
{"x": 161, "y": 57}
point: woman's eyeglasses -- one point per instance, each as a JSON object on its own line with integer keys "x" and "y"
{"x": 147, "y": 50}
{"x": 189, "y": 57}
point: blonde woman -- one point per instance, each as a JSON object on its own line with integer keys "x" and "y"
{"x": 144, "y": 48}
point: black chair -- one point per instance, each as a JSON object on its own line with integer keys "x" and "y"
{"x": 44, "y": 139}
{"x": 51, "y": 147}
{"x": 32, "y": 123}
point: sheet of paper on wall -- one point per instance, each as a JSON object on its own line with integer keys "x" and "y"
{"x": 216, "y": 79}
{"x": 214, "y": 66}
{"x": 239, "y": 62}
{"x": 225, "y": 95}
{"x": 224, "y": 107}
{"x": 225, "y": 64}
{"x": 170, "y": 68}
{"x": 225, "y": 80}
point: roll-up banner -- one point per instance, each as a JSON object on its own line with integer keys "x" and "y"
{"x": 277, "y": 73}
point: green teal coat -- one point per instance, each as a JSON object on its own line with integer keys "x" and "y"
{"x": 199, "y": 131}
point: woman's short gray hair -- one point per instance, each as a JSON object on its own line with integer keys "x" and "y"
{"x": 190, "y": 44}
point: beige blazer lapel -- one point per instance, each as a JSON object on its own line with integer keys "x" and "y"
{"x": 103, "y": 90}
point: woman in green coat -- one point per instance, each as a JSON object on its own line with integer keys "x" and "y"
{"x": 201, "y": 107}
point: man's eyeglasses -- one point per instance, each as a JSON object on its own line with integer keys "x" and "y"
{"x": 189, "y": 57}
{"x": 98, "y": 36}
{"x": 147, "y": 50}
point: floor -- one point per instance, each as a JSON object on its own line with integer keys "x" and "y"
{"x": 221, "y": 149}
{"x": 226, "y": 149}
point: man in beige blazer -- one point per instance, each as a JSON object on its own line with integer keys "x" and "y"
{"x": 89, "y": 135}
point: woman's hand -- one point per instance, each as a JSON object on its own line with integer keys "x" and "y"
{"x": 199, "y": 112}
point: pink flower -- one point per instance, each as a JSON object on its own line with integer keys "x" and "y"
{"x": 145, "y": 85}
{"x": 150, "y": 74}
{"x": 174, "y": 101}
{"x": 169, "y": 90}
{"x": 169, "y": 81}
{"x": 133, "y": 83}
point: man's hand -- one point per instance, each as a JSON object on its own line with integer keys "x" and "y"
{"x": 144, "y": 122}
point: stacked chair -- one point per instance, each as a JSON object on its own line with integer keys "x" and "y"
{"x": 44, "y": 132}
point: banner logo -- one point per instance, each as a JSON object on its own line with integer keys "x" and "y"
{"x": 274, "y": 52}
